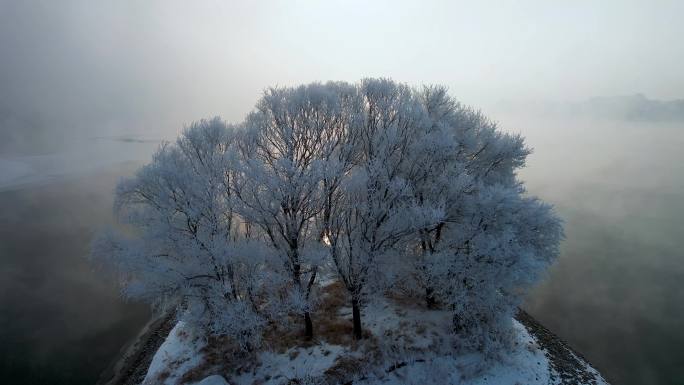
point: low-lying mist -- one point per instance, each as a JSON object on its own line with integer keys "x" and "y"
{"x": 614, "y": 293}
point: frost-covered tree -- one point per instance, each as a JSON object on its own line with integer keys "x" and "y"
{"x": 179, "y": 246}
{"x": 496, "y": 253}
{"x": 289, "y": 165}
{"x": 458, "y": 149}
{"x": 484, "y": 242}
{"x": 383, "y": 182}
{"x": 436, "y": 178}
{"x": 371, "y": 216}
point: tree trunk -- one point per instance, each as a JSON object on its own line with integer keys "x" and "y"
{"x": 430, "y": 298}
{"x": 308, "y": 332}
{"x": 307, "y": 317}
{"x": 457, "y": 323}
{"x": 356, "y": 314}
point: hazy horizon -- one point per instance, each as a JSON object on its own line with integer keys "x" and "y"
{"x": 80, "y": 68}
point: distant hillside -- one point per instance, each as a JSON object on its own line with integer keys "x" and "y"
{"x": 636, "y": 107}
{"x": 633, "y": 107}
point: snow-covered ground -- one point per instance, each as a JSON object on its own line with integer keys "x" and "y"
{"x": 178, "y": 354}
{"x": 408, "y": 344}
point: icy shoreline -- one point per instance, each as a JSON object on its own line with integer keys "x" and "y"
{"x": 133, "y": 364}
{"x": 567, "y": 367}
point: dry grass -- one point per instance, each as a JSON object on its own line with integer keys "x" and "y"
{"x": 343, "y": 370}
{"x": 421, "y": 328}
{"x": 348, "y": 367}
{"x": 161, "y": 377}
{"x": 406, "y": 301}
{"x": 334, "y": 296}
{"x": 328, "y": 326}
{"x": 280, "y": 337}
{"x": 221, "y": 354}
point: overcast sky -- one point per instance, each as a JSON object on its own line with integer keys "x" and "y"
{"x": 142, "y": 66}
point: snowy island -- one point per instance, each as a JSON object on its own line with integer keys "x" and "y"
{"x": 362, "y": 233}
{"x": 415, "y": 351}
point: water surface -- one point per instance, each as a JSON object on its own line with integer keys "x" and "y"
{"x": 61, "y": 322}
{"x": 616, "y": 292}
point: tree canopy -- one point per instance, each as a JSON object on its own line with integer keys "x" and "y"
{"x": 376, "y": 183}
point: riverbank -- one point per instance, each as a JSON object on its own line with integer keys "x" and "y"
{"x": 132, "y": 366}
{"x": 566, "y": 366}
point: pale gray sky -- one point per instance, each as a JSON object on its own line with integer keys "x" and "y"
{"x": 103, "y": 67}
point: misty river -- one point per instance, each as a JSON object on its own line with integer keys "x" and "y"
{"x": 615, "y": 294}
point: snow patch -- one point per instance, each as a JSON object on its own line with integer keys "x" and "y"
{"x": 296, "y": 363}
{"x": 179, "y": 353}
{"x": 428, "y": 359}
{"x": 213, "y": 380}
